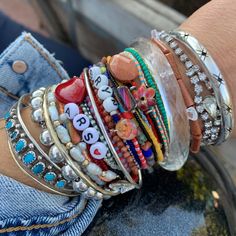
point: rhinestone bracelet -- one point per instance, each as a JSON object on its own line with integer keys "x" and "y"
{"x": 211, "y": 119}
{"x": 217, "y": 81}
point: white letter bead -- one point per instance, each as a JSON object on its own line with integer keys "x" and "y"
{"x": 94, "y": 72}
{"x": 94, "y": 169}
{"x": 110, "y": 104}
{"x": 104, "y": 92}
{"x": 90, "y": 135}
{"x": 53, "y": 113}
{"x": 98, "y": 150}
{"x": 63, "y": 134}
{"x": 71, "y": 110}
{"x": 81, "y": 122}
{"x": 76, "y": 154}
{"x": 100, "y": 81}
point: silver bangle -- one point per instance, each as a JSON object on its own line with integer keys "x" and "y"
{"x": 218, "y": 83}
{"x": 29, "y": 156}
{"x": 196, "y": 75}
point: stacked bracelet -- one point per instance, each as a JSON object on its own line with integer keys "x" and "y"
{"x": 124, "y": 114}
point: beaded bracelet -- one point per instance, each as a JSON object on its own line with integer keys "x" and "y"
{"x": 135, "y": 149}
{"x": 151, "y": 83}
{"x": 194, "y": 122}
{"x": 103, "y": 129}
{"x": 141, "y": 93}
{"x": 172, "y": 98}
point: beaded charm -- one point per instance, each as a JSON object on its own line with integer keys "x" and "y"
{"x": 126, "y": 129}
{"x": 72, "y": 90}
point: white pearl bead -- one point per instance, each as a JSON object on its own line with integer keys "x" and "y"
{"x": 81, "y": 122}
{"x": 37, "y": 115}
{"x": 110, "y": 104}
{"x": 68, "y": 173}
{"x": 71, "y": 110}
{"x": 63, "y": 117}
{"x": 99, "y": 196}
{"x": 104, "y": 92}
{"x": 100, "y": 81}
{"x": 51, "y": 97}
{"x": 98, "y": 150}
{"x": 63, "y": 134}
{"x": 80, "y": 186}
{"x": 36, "y": 102}
{"x": 53, "y": 113}
{"x": 94, "y": 72}
{"x": 94, "y": 169}
{"x": 76, "y": 154}
{"x": 90, "y": 193}
{"x": 45, "y": 138}
{"x": 37, "y": 93}
{"x": 82, "y": 146}
{"x": 90, "y": 135}
{"x": 55, "y": 155}
{"x": 110, "y": 175}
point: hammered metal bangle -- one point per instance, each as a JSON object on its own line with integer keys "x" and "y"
{"x": 218, "y": 83}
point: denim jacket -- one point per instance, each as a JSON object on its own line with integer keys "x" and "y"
{"x": 23, "y": 209}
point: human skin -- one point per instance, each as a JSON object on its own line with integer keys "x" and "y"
{"x": 213, "y": 25}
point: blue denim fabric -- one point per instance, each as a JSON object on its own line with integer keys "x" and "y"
{"x": 35, "y": 212}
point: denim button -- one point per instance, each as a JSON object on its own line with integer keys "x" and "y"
{"x": 19, "y": 67}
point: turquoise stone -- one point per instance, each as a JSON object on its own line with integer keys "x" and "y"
{"x": 14, "y": 134}
{"x": 61, "y": 183}
{"x": 29, "y": 158}
{"x": 9, "y": 124}
{"x": 38, "y": 168}
{"x": 20, "y": 145}
{"x": 7, "y": 116}
{"x": 50, "y": 176}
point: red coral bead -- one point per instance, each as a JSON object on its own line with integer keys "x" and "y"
{"x": 73, "y": 90}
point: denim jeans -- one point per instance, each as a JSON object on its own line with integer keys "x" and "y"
{"x": 25, "y": 210}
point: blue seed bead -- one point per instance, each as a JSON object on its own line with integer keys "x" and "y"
{"x": 7, "y": 116}
{"x": 14, "y": 134}
{"x": 9, "y": 124}
{"x": 61, "y": 183}
{"x": 38, "y": 168}
{"x": 29, "y": 158}
{"x": 50, "y": 176}
{"x": 20, "y": 145}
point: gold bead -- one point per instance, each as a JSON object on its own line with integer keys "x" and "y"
{"x": 85, "y": 163}
{"x": 56, "y": 123}
{"x": 69, "y": 145}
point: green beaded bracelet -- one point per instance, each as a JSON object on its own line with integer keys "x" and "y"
{"x": 151, "y": 83}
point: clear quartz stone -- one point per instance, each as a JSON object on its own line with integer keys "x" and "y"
{"x": 173, "y": 103}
